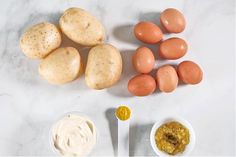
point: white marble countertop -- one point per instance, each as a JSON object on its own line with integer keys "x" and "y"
{"x": 29, "y": 105}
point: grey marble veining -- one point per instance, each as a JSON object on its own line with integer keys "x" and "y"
{"x": 29, "y": 105}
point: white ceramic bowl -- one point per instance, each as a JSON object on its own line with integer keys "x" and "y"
{"x": 188, "y": 148}
{"x": 56, "y": 151}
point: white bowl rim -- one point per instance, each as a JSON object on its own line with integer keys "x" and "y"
{"x": 188, "y": 148}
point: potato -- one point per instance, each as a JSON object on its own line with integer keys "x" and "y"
{"x": 81, "y": 27}
{"x": 104, "y": 66}
{"x": 61, "y": 66}
{"x": 39, "y": 40}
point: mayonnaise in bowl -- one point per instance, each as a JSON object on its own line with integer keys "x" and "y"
{"x": 74, "y": 135}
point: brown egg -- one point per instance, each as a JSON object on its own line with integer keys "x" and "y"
{"x": 189, "y": 72}
{"x": 167, "y": 78}
{"x": 143, "y": 60}
{"x": 172, "y": 20}
{"x": 173, "y": 48}
{"x": 142, "y": 85}
{"x": 148, "y": 32}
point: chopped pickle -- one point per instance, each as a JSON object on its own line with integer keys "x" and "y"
{"x": 123, "y": 113}
{"x": 172, "y": 137}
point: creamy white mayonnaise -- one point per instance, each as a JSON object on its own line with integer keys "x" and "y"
{"x": 74, "y": 135}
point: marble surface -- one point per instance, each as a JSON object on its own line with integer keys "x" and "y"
{"x": 29, "y": 105}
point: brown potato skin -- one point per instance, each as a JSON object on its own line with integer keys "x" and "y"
{"x": 190, "y": 72}
{"x": 104, "y": 66}
{"x": 82, "y": 27}
{"x": 167, "y": 78}
{"x": 173, "y": 20}
{"x": 61, "y": 66}
{"x": 142, "y": 85}
{"x": 173, "y": 48}
{"x": 39, "y": 40}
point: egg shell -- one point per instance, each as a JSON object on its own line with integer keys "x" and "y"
{"x": 148, "y": 32}
{"x": 172, "y": 20}
{"x": 173, "y": 48}
{"x": 142, "y": 85}
{"x": 190, "y": 72}
{"x": 167, "y": 78}
{"x": 143, "y": 60}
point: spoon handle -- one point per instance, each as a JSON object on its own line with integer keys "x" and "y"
{"x": 123, "y": 138}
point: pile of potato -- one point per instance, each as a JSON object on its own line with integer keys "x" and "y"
{"x": 60, "y": 65}
{"x": 167, "y": 76}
